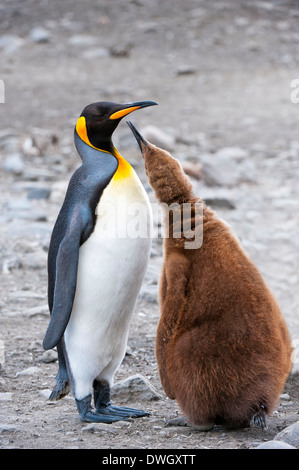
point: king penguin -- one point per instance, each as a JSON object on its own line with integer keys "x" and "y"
{"x": 223, "y": 348}
{"x": 95, "y": 270}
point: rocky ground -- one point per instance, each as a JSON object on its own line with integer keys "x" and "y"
{"x": 221, "y": 73}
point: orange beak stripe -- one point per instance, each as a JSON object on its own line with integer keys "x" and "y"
{"x": 123, "y": 112}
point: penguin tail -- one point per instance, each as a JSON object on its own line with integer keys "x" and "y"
{"x": 61, "y": 388}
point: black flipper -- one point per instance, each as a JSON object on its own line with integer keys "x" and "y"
{"x": 65, "y": 279}
{"x": 74, "y": 225}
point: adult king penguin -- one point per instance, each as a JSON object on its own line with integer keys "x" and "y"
{"x": 95, "y": 271}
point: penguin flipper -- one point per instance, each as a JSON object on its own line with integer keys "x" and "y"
{"x": 66, "y": 277}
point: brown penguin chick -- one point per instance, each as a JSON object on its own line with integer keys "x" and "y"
{"x": 223, "y": 349}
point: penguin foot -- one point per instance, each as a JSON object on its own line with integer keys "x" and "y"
{"x": 121, "y": 411}
{"x": 92, "y": 417}
{"x": 259, "y": 419}
{"x": 104, "y": 407}
{"x": 60, "y": 390}
{"x": 87, "y": 415}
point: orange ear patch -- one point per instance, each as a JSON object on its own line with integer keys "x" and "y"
{"x": 82, "y": 130}
{"x": 124, "y": 168}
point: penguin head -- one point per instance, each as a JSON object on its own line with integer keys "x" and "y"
{"x": 98, "y": 121}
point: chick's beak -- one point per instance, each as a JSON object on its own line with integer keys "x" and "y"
{"x": 140, "y": 140}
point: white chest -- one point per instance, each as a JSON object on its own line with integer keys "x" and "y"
{"x": 113, "y": 261}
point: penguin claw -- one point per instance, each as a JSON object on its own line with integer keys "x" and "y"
{"x": 259, "y": 419}
{"x": 122, "y": 411}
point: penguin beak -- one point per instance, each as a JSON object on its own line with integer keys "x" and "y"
{"x": 130, "y": 107}
{"x": 140, "y": 140}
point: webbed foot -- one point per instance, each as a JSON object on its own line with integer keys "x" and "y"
{"x": 87, "y": 415}
{"x": 121, "y": 411}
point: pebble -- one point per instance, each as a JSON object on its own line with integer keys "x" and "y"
{"x": 274, "y": 445}
{"x": 10, "y": 43}
{"x": 39, "y": 310}
{"x": 45, "y": 393}
{"x": 289, "y": 435}
{"x": 185, "y": 70}
{"x": 39, "y": 35}
{"x": 121, "y": 50}
{"x": 49, "y": 356}
{"x": 82, "y": 40}
{"x": 133, "y": 387}
{"x": 14, "y": 164}
{"x": 39, "y": 193}
{"x": 5, "y": 396}
{"x": 8, "y": 428}
{"x": 98, "y": 428}
{"x": 218, "y": 202}
{"x": 285, "y": 396}
{"x": 35, "y": 260}
{"x": 235, "y": 153}
{"x": 95, "y": 53}
{"x": 29, "y": 371}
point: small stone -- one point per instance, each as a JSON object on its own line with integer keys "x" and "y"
{"x": 82, "y": 40}
{"x": 95, "y": 53}
{"x": 5, "y": 396}
{"x": 9, "y": 43}
{"x": 49, "y": 356}
{"x": 8, "y": 428}
{"x": 14, "y": 164}
{"x": 39, "y": 35}
{"x": 289, "y": 435}
{"x": 45, "y": 393}
{"x": 29, "y": 371}
{"x": 39, "y": 310}
{"x": 135, "y": 386}
{"x": 285, "y": 396}
{"x": 9, "y": 264}
{"x": 100, "y": 427}
{"x": 34, "y": 345}
{"x": 121, "y": 50}
{"x": 58, "y": 191}
{"x": 219, "y": 202}
{"x": 35, "y": 260}
{"x": 274, "y": 445}
{"x": 234, "y": 153}
{"x": 38, "y": 193}
{"x": 185, "y": 70}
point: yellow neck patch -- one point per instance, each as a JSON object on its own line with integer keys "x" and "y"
{"x": 124, "y": 168}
